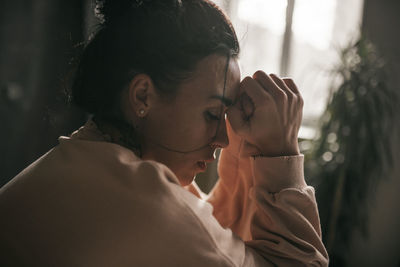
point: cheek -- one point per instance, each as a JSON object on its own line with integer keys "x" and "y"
{"x": 180, "y": 130}
{"x": 197, "y": 133}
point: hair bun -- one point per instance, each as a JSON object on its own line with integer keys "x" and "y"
{"x": 108, "y": 11}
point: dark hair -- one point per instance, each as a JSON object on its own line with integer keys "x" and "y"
{"x": 164, "y": 39}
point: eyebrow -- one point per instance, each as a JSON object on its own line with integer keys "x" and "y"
{"x": 226, "y": 101}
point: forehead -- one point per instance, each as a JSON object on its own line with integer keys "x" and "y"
{"x": 209, "y": 77}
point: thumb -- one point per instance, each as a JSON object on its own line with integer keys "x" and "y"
{"x": 236, "y": 119}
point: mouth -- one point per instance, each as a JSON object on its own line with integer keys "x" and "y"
{"x": 202, "y": 164}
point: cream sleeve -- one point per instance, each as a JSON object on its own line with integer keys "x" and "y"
{"x": 267, "y": 203}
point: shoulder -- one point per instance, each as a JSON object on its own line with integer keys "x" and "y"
{"x": 99, "y": 203}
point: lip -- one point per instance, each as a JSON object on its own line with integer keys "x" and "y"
{"x": 209, "y": 160}
{"x": 201, "y": 164}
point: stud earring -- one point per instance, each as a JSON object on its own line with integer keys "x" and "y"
{"x": 141, "y": 112}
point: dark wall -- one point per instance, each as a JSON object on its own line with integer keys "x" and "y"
{"x": 37, "y": 40}
{"x": 381, "y": 23}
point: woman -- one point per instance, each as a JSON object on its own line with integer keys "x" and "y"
{"x": 162, "y": 81}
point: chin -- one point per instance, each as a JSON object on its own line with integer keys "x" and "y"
{"x": 186, "y": 179}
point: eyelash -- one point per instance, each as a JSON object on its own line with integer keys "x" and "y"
{"x": 212, "y": 116}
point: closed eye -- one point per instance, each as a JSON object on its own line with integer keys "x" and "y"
{"x": 212, "y": 116}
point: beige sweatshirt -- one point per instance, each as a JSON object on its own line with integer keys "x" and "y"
{"x": 89, "y": 202}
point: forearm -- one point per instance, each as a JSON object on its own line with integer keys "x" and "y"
{"x": 285, "y": 228}
{"x": 266, "y": 201}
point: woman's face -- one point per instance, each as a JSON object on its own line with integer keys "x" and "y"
{"x": 184, "y": 133}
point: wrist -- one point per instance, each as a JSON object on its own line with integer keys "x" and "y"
{"x": 292, "y": 150}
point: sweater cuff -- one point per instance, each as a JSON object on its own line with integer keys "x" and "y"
{"x": 277, "y": 173}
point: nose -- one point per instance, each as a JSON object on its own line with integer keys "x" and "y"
{"x": 221, "y": 138}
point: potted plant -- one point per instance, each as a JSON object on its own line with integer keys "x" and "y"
{"x": 351, "y": 153}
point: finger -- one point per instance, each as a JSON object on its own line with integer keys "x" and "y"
{"x": 281, "y": 84}
{"x": 234, "y": 138}
{"x": 254, "y": 90}
{"x": 236, "y": 120}
{"x": 291, "y": 85}
{"x": 268, "y": 84}
{"x": 246, "y": 105}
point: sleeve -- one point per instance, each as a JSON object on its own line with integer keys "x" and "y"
{"x": 267, "y": 203}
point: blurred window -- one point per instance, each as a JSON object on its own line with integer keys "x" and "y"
{"x": 307, "y": 52}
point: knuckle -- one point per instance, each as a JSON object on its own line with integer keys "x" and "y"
{"x": 259, "y": 73}
{"x": 246, "y": 81}
{"x": 300, "y": 100}
{"x": 290, "y": 83}
{"x": 281, "y": 96}
{"x": 291, "y": 97}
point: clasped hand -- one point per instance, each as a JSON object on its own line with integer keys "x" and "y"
{"x": 267, "y": 115}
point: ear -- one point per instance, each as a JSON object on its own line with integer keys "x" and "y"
{"x": 141, "y": 94}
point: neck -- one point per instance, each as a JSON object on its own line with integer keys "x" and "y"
{"x": 121, "y": 133}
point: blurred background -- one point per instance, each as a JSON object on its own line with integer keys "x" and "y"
{"x": 343, "y": 54}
